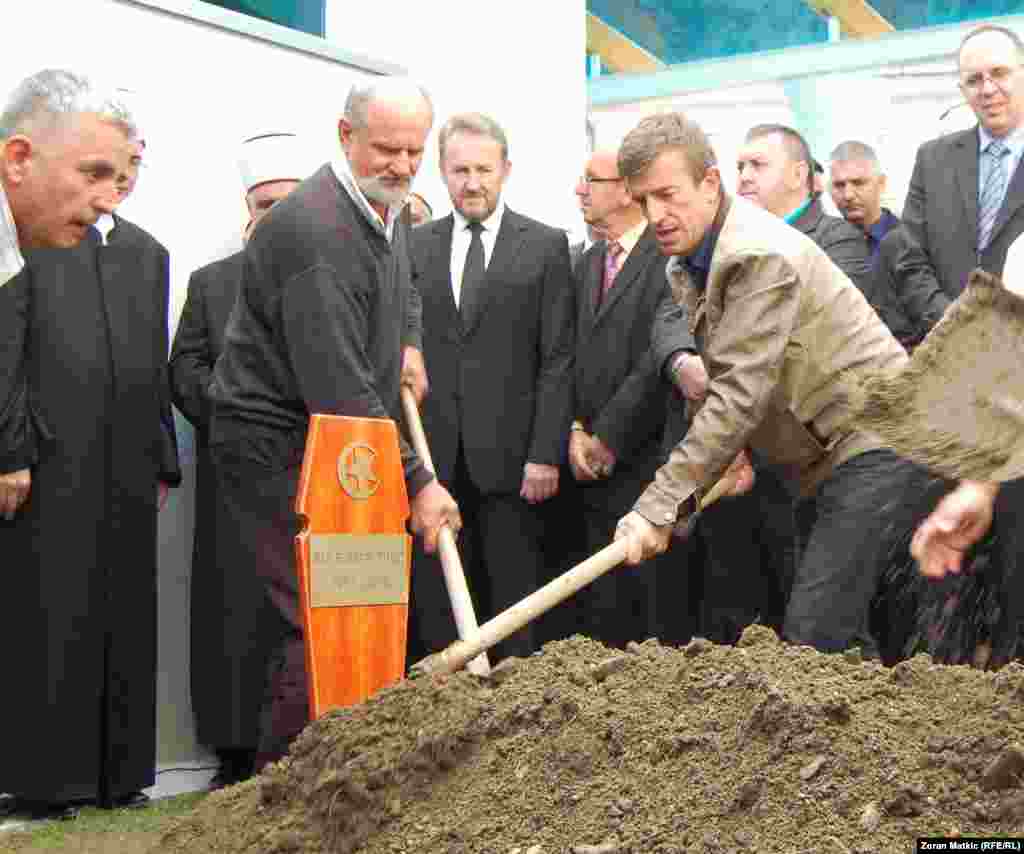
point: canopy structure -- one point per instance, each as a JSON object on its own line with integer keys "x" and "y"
{"x": 645, "y": 35}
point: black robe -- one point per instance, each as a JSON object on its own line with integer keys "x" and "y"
{"x": 233, "y": 624}
{"x": 84, "y": 403}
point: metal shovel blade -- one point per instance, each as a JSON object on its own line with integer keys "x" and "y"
{"x": 957, "y": 407}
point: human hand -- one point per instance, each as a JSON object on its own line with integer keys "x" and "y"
{"x": 644, "y": 539}
{"x": 579, "y": 457}
{"x": 690, "y": 376}
{"x": 433, "y": 507}
{"x": 602, "y": 457}
{"x": 961, "y": 519}
{"x": 414, "y": 373}
{"x": 14, "y": 489}
{"x": 540, "y": 482}
{"x": 740, "y": 475}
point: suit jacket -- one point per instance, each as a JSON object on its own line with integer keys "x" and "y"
{"x": 908, "y": 297}
{"x": 842, "y": 242}
{"x": 503, "y": 385}
{"x": 619, "y": 395}
{"x": 200, "y": 337}
{"x": 941, "y": 210}
{"x": 782, "y": 331}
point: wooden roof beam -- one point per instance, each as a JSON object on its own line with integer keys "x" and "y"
{"x": 618, "y": 53}
{"x": 858, "y": 18}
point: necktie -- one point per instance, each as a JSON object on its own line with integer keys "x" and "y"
{"x": 472, "y": 274}
{"x": 993, "y": 191}
{"x": 93, "y": 236}
{"x": 612, "y": 256}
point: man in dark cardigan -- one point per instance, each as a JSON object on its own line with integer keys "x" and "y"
{"x": 232, "y": 624}
{"x": 85, "y": 420}
{"x": 319, "y": 326}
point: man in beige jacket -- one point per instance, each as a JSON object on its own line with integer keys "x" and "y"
{"x": 783, "y": 334}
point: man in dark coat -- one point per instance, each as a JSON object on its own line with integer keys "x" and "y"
{"x": 907, "y": 295}
{"x": 498, "y": 338}
{"x": 233, "y": 624}
{"x": 84, "y": 408}
{"x": 965, "y": 202}
{"x": 619, "y": 404}
{"x": 776, "y": 173}
{"x": 319, "y": 327}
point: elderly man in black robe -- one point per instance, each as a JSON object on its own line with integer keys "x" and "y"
{"x": 87, "y": 452}
{"x": 321, "y": 325}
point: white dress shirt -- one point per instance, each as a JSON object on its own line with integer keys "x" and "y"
{"x": 11, "y": 261}
{"x": 461, "y": 237}
{"x": 104, "y": 225}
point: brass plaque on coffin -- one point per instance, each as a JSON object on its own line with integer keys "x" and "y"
{"x": 358, "y": 569}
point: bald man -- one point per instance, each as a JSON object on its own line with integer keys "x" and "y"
{"x": 319, "y": 327}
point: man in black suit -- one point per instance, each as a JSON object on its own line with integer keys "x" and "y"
{"x": 965, "y": 203}
{"x": 776, "y": 173}
{"x": 615, "y": 443}
{"x": 498, "y": 338}
{"x": 233, "y": 624}
{"x": 86, "y": 415}
{"x": 907, "y": 295}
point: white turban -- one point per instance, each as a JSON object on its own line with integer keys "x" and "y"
{"x": 272, "y": 157}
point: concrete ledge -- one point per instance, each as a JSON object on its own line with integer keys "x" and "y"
{"x": 256, "y": 28}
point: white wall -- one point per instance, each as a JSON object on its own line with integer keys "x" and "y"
{"x": 522, "y": 63}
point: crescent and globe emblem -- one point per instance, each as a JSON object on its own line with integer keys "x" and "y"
{"x": 356, "y": 471}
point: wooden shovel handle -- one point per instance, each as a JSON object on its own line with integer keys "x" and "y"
{"x": 455, "y": 656}
{"x": 451, "y": 563}
{"x": 495, "y": 630}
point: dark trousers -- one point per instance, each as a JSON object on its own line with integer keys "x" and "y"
{"x": 257, "y": 483}
{"x": 630, "y": 603}
{"x": 843, "y": 532}
{"x": 501, "y": 546}
{"x": 749, "y": 548}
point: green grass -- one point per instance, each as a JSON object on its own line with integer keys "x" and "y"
{"x": 96, "y": 831}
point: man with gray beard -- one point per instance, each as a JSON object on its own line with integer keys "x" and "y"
{"x": 325, "y": 308}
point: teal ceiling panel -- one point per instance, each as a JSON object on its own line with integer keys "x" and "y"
{"x": 678, "y": 31}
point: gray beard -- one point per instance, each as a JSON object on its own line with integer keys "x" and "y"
{"x": 377, "y": 191}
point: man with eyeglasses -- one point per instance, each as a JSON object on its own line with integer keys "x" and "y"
{"x": 965, "y": 204}
{"x": 906, "y": 294}
{"x": 619, "y": 405}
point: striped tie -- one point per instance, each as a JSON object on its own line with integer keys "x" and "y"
{"x": 993, "y": 190}
{"x": 613, "y": 253}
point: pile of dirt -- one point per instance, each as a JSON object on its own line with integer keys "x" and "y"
{"x": 762, "y": 747}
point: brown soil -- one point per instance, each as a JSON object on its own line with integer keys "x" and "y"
{"x": 761, "y": 748}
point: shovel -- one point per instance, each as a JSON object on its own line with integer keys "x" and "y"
{"x": 957, "y": 407}
{"x": 512, "y": 619}
{"x": 451, "y": 563}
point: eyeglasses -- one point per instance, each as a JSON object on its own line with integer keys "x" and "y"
{"x": 1000, "y": 76}
{"x": 589, "y": 179}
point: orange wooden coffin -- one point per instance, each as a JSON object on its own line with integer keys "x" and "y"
{"x": 353, "y": 557}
